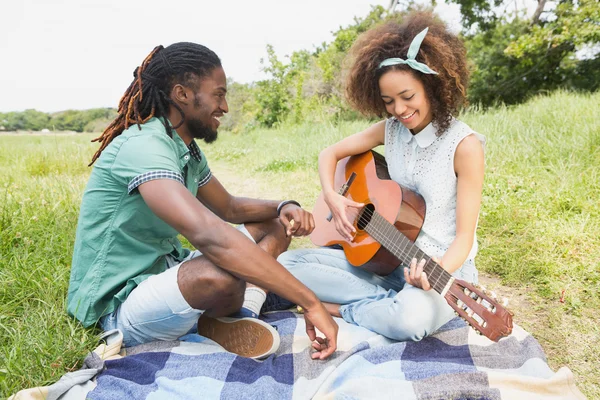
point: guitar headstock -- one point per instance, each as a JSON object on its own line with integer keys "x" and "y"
{"x": 480, "y": 310}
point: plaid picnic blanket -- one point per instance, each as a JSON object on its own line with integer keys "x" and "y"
{"x": 454, "y": 363}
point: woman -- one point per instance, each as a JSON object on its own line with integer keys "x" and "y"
{"x": 416, "y": 74}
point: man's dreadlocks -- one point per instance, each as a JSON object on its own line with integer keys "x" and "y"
{"x": 148, "y": 95}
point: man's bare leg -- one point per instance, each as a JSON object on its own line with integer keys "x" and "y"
{"x": 270, "y": 236}
{"x": 208, "y": 287}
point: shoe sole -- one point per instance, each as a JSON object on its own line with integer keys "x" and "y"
{"x": 247, "y": 337}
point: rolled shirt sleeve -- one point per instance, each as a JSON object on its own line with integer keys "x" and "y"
{"x": 144, "y": 158}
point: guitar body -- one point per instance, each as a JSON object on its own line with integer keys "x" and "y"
{"x": 386, "y": 228}
{"x": 371, "y": 185}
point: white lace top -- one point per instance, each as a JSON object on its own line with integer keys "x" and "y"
{"x": 424, "y": 163}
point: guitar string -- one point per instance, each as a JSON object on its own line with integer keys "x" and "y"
{"x": 392, "y": 235}
{"x": 385, "y": 229}
{"x": 413, "y": 252}
{"x": 398, "y": 243}
{"x": 379, "y": 221}
{"x": 394, "y": 248}
{"x": 391, "y": 230}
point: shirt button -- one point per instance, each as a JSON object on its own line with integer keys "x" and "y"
{"x": 196, "y": 180}
{"x": 186, "y": 158}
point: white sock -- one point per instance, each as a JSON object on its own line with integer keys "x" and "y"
{"x": 254, "y": 297}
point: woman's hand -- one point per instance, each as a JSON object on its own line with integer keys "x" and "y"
{"x": 339, "y": 205}
{"x": 415, "y": 276}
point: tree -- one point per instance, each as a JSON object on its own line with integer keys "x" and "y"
{"x": 516, "y": 58}
{"x": 30, "y": 120}
{"x": 271, "y": 94}
{"x": 241, "y": 99}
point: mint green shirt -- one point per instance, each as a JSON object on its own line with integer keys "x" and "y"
{"x": 120, "y": 242}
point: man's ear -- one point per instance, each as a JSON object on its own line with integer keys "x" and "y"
{"x": 180, "y": 94}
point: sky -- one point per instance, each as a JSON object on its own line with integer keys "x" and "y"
{"x": 79, "y": 54}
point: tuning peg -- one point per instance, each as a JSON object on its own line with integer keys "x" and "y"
{"x": 493, "y": 295}
{"x": 477, "y": 332}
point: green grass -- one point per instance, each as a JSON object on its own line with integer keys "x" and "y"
{"x": 43, "y": 178}
{"x": 539, "y": 229}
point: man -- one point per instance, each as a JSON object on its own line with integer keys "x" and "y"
{"x": 151, "y": 182}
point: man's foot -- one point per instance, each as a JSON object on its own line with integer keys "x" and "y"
{"x": 247, "y": 337}
{"x": 244, "y": 313}
{"x": 274, "y": 302}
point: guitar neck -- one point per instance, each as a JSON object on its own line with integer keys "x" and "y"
{"x": 405, "y": 250}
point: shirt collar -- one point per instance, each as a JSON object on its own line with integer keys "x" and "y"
{"x": 195, "y": 151}
{"x": 424, "y": 138}
{"x": 193, "y": 148}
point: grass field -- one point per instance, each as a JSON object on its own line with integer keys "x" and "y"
{"x": 539, "y": 228}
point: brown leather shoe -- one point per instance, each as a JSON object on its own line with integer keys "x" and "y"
{"x": 247, "y": 337}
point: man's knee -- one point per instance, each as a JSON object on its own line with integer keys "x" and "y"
{"x": 272, "y": 230}
{"x": 205, "y": 286}
{"x": 226, "y": 296}
{"x": 224, "y": 286}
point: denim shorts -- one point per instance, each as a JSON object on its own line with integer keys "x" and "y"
{"x": 156, "y": 308}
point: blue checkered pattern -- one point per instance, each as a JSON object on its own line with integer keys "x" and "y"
{"x": 149, "y": 176}
{"x": 195, "y": 151}
{"x": 205, "y": 180}
{"x": 455, "y": 363}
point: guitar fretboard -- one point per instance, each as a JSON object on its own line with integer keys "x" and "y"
{"x": 405, "y": 250}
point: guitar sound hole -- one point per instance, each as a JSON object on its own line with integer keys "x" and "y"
{"x": 365, "y": 216}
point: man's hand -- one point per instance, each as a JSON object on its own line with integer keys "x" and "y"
{"x": 303, "y": 221}
{"x": 318, "y": 317}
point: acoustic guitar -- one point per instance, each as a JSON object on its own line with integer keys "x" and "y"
{"x": 386, "y": 228}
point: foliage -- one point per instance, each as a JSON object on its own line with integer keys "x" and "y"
{"x": 512, "y": 57}
{"x": 309, "y": 81}
{"x": 92, "y": 120}
{"x": 242, "y": 107}
{"x": 271, "y": 94}
{"x": 39, "y": 197}
{"x": 74, "y": 120}
{"x": 517, "y": 58}
{"x": 28, "y": 119}
{"x": 573, "y": 24}
{"x": 498, "y": 77}
{"x": 330, "y": 56}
